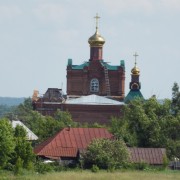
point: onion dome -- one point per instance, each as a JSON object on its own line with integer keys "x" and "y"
{"x": 135, "y": 70}
{"x": 96, "y": 40}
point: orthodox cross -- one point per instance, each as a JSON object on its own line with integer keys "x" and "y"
{"x": 135, "y": 55}
{"x": 97, "y": 17}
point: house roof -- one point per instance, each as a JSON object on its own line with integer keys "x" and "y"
{"x": 30, "y": 134}
{"x": 93, "y": 100}
{"x": 69, "y": 141}
{"x": 153, "y": 156}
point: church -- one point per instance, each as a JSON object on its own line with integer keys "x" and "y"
{"x": 95, "y": 89}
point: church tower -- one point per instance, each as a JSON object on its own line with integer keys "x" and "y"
{"x": 96, "y": 76}
{"x": 134, "y": 85}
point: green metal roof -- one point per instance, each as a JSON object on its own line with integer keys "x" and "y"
{"x": 133, "y": 94}
{"x": 81, "y": 66}
{"x": 109, "y": 67}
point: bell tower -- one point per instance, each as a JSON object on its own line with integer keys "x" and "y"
{"x": 134, "y": 85}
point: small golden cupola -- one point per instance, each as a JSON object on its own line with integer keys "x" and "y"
{"x": 135, "y": 70}
{"x": 96, "y": 40}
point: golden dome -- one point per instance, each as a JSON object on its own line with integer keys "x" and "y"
{"x": 135, "y": 70}
{"x": 96, "y": 40}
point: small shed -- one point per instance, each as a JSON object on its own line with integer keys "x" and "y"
{"x": 152, "y": 156}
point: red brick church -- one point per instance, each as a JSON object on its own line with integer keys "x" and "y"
{"x": 95, "y": 89}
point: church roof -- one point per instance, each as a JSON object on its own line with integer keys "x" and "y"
{"x": 93, "y": 100}
{"x": 86, "y": 64}
{"x": 30, "y": 134}
{"x": 67, "y": 142}
{"x": 133, "y": 94}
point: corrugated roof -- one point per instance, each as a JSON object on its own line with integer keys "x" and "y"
{"x": 153, "y": 156}
{"x": 93, "y": 100}
{"x": 69, "y": 141}
{"x": 30, "y": 134}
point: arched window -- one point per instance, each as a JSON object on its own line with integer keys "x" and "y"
{"x": 94, "y": 85}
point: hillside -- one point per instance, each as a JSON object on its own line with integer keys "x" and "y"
{"x": 11, "y": 101}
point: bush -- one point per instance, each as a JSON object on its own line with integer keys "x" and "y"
{"x": 141, "y": 165}
{"x": 9, "y": 167}
{"x": 18, "y": 166}
{"x": 165, "y": 162}
{"x": 95, "y": 168}
{"x": 106, "y": 154}
{"x": 43, "y": 168}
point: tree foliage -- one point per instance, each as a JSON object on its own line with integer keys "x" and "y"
{"x": 106, "y": 154}
{"x": 7, "y": 143}
{"x": 175, "y": 99}
{"x": 23, "y": 148}
{"x": 14, "y": 147}
{"x": 149, "y": 124}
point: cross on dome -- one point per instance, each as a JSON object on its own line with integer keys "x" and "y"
{"x": 97, "y": 17}
{"x": 135, "y": 55}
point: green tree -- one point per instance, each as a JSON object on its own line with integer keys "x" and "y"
{"x": 106, "y": 154}
{"x": 7, "y": 143}
{"x": 175, "y": 99}
{"x": 23, "y": 148}
{"x": 64, "y": 118}
{"x": 120, "y": 128}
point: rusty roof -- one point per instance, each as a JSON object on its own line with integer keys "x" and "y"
{"x": 69, "y": 141}
{"x": 153, "y": 156}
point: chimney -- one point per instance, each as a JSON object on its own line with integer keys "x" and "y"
{"x": 69, "y": 127}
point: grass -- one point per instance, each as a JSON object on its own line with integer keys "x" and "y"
{"x": 101, "y": 175}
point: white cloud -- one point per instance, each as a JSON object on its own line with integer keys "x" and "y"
{"x": 50, "y": 12}
{"x": 9, "y": 12}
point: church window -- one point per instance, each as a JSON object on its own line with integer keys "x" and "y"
{"x": 94, "y": 85}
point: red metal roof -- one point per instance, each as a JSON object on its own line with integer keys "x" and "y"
{"x": 67, "y": 142}
{"x": 148, "y": 155}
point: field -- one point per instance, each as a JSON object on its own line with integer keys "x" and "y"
{"x": 102, "y": 175}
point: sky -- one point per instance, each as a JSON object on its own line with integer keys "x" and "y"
{"x": 37, "y": 37}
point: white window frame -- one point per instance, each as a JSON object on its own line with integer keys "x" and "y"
{"x": 94, "y": 85}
